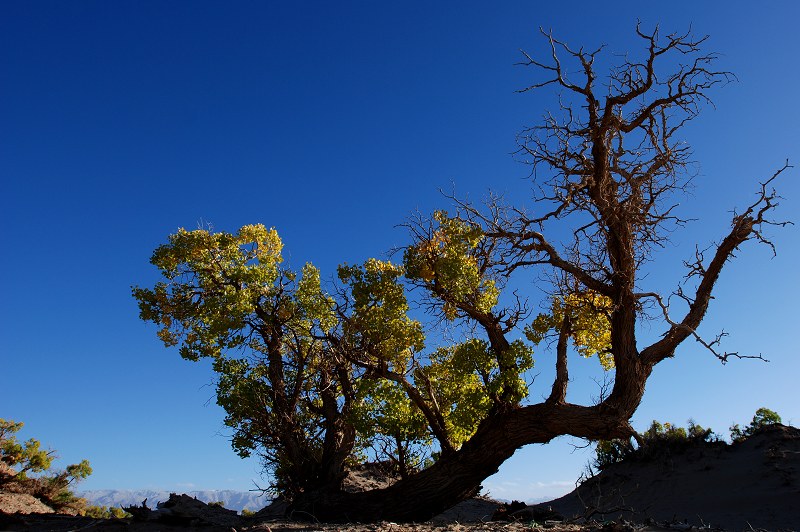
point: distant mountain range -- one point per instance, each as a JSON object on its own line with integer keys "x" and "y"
{"x": 233, "y": 500}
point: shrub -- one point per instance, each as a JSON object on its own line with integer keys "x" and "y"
{"x": 660, "y": 438}
{"x": 611, "y": 452}
{"x": 762, "y": 418}
{"x": 663, "y": 438}
{"x": 23, "y": 458}
{"x": 105, "y": 512}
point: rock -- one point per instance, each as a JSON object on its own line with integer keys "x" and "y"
{"x": 183, "y": 510}
{"x": 6, "y": 471}
{"x": 506, "y": 511}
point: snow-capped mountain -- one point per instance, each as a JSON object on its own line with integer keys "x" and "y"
{"x": 233, "y": 500}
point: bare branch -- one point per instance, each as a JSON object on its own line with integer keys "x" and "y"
{"x": 745, "y": 226}
{"x": 710, "y": 346}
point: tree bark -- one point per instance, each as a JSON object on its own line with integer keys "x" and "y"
{"x": 458, "y": 476}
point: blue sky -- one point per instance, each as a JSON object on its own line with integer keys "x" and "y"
{"x": 122, "y": 121}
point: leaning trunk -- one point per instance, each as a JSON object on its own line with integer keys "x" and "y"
{"x": 458, "y": 476}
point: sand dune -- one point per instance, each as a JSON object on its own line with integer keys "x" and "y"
{"x": 755, "y": 483}
{"x": 752, "y": 485}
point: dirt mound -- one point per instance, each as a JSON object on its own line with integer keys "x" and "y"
{"x": 369, "y": 476}
{"x": 754, "y": 483}
{"x": 22, "y": 503}
{"x": 476, "y": 509}
{"x": 182, "y": 513}
{"x": 185, "y": 510}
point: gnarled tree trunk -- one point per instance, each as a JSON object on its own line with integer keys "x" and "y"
{"x": 458, "y": 476}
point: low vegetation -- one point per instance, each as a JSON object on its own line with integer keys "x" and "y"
{"x": 27, "y": 468}
{"x": 762, "y": 418}
{"x": 106, "y": 512}
{"x": 663, "y": 438}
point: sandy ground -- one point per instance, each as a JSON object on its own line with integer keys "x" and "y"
{"x": 750, "y": 486}
{"x": 64, "y": 524}
{"x": 22, "y": 503}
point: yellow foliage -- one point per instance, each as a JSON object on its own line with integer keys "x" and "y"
{"x": 590, "y": 325}
{"x": 446, "y": 261}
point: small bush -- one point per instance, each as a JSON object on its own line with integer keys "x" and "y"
{"x": 659, "y": 439}
{"x": 665, "y": 438}
{"x": 25, "y": 458}
{"x": 611, "y": 452}
{"x": 104, "y": 512}
{"x": 762, "y": 418}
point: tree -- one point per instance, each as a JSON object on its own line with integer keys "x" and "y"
{"x": 22, "y": 459}
{"x": 317, "y": 380}
{"x": 658, "y": 440}
{"x": 762, "y": 418}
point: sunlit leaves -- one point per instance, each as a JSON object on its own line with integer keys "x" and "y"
{"x": 762, "y": 418}
{"x": 25, "y": 456}
{"x": 380, "y": 312}
{"x": 316, "y": 306}
{"x": 79, "y": 471}
{"x": 227, "y": 297}
{"x": 457, "y": 379}
{"x": 293, "y": 361}
{"x": 445, "y": 261}
{"x": 589, "y": 324}
{"x": 217, "y": 283}
{"x": 384, "y": 408}
{"x": 462, "y": 379}
{"x": 47, "y": 485}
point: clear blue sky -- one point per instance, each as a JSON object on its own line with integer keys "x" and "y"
{"x": 331, "y": 121}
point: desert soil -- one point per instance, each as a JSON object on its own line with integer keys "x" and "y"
{"x": 751, "y": 486}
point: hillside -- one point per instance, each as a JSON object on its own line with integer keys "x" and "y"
{"x": 754, "y": 483}
{"x": 750, "y": 485}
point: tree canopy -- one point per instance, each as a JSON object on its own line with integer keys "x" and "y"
{"x": 318, "y": 377}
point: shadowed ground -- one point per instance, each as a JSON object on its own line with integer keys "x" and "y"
{"x": 752, "y": 485}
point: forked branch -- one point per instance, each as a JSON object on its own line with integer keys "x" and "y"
{"x": 745, "y": 226}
